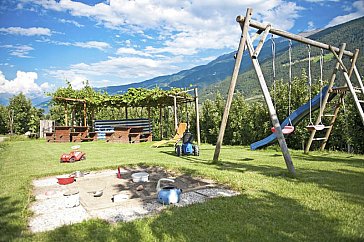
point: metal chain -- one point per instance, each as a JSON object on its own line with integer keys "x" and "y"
{"x": 274, "y": 71}
{"x": 309, "y": 80}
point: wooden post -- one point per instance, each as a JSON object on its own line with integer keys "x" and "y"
{"x": 126, "y": 112}
{"x": 84, "y": 115}
{"x": 65, "y": 115}
{"x": 271, "y": 109}
{"x": 261, "y": 42}
{"x": 197, "y": 118}
{"x": 161, "y": 122}
{"x": 150, "y": 128}
{"x": 234, "y": 77}
{"x": 337, "y": 108}
{"x": 175, "y": 113}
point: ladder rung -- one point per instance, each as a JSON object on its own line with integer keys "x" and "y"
{"x": 319, "y": 139}
{"x": 327, "y": 127}
{"x": 329, "y": 115}
{"x": 361, "y": 101}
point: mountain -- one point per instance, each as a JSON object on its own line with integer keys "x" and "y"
{"x": 202, "y": 76}
{"x": 350, "y": 33}
{"x": 216, "y": 74}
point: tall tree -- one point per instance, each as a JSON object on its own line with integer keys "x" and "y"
{"x": 20, "y": 110}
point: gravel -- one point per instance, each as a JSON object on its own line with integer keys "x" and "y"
{"x": 50, "y": 211}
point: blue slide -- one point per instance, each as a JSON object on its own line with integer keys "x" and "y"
{"x": 295, "y": 117}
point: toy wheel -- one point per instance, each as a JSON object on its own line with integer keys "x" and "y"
{"x": 196, "y": 151}
{"x": 83, "y": 158}
{"x": 178, "y": 150}
{"x": 72, "y": 159}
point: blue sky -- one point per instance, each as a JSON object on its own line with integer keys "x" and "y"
{"x": 116, "y": 42}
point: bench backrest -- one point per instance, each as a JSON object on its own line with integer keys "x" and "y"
{"x": 108, "y": 125}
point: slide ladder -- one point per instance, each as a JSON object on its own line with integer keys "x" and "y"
{"x": 357, "y": 93}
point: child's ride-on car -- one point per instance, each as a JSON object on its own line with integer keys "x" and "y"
{"x": 74, "y": 155}
{"x": 187, "y": 147}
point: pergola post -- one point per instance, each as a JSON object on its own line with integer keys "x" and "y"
{"x": 175, "y": 113}
{"x": 84, "y": 115}
{"x": 197, "y": 118}
{"x": 65, "y": 115}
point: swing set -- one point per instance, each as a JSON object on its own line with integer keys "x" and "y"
{"x": 263, "y": 30}
{"x": 288, "y": 128}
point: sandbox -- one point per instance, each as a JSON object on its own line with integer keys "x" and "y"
{"x": 56, "y": 205}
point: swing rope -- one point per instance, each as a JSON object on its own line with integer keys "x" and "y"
{"x": 309, "y": 82}
{"x": 321, "y": 82}
{"x": 274, "y": 71}
{"x": 290, "y": 80}
{"x": 288, "y": 128}
{"x": 311, "y": 126}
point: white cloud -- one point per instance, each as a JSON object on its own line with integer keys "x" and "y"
{"x": 75, "y": 23}
{"x": 92, "y": 44}
{"x": 189, "y": 26}
{"x": 20, "y": 51}
{"x": 131, "y": 51}
{"x": 358, "y": 7}
{"x": 78, "y": 82}
{"x": 34, "y": 31}
{"x": 310, "y": 25}
{"x": 24, "y": 82}
{"x": 89, "y": 44}
{"x": 122, "y": 69}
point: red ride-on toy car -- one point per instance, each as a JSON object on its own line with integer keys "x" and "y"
{"x": 74, "y": 155}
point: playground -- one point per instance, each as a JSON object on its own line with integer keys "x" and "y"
{"x": 216, "y": 192}
{"x": 323, "y": 202}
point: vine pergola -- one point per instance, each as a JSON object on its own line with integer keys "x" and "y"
{"x": 89, "y": 101}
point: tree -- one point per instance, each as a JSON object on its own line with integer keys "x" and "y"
{"x": 3, "y": 119}
{"x": 20, "y": 107}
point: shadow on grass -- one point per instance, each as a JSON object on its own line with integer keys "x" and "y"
{"x": 268, "y": 217}
{"x": 334, "y": 180}
{"x": 8, "y": 214}
{"x": 324, "y": 157}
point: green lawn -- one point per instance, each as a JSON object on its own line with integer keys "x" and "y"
{"x": 325, "y": 202}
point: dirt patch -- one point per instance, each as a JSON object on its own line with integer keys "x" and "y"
{"x": 57, "y": 205}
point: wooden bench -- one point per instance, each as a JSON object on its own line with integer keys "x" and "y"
{"x": 125, "y": 130}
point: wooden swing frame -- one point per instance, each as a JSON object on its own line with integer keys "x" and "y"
{"x": 246, "y": 43}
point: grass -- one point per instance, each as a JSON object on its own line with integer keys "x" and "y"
{"x": 324, "y": 202}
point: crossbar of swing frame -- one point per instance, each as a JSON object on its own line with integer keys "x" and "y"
{"x": 281, "y": 33}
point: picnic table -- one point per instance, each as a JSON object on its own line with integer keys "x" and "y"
{"x": 125, "y": 134}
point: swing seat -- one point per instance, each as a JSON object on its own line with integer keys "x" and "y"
{"x": 286, "y": 130}
{"x": 312, "y": 127}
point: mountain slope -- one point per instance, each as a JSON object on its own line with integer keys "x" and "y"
{"x": 215, "y": 76}
{"x": 350, "y": 33}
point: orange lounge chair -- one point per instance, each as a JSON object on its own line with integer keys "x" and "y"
{"x": 179, "y": 134}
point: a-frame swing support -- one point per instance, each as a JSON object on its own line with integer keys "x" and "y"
{"x": 245, "y": 41}
{"x": 245, "y": 23}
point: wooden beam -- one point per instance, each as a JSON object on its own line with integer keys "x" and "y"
{"x": 65, "y": 115}
{"x": 84, "y": 115}
{"x": 271, "y": 109}
{"x": 291, "y": 36}
{"x": 197, "y": 118}
{"x": 261, "y": 42}
{"x": 175, "y": 113}
{"x": 234, "y": 77}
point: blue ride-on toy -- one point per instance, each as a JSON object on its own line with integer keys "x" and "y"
{"x": 187, "y": 147}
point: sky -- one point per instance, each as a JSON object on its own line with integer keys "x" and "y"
{"x": 43, "y": 43}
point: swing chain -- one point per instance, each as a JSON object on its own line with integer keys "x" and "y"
{"x": 309, "y": 81}
{"x": 290, "y": 76}
{"x": 274, "y": 70}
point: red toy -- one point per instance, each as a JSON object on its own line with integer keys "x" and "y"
{"x": 74, "y": 155}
